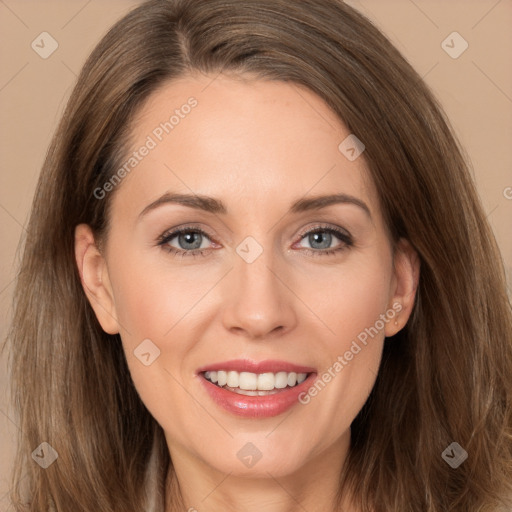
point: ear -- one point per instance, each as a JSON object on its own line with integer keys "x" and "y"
{"x": 406, "y": 272}
{"x": 93, "y": 272}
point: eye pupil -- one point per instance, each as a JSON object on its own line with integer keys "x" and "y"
{"x": 320, "y": 237}
{"x": 190, "y": 238}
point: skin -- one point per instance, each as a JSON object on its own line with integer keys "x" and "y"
{"x": 257, "y": 146}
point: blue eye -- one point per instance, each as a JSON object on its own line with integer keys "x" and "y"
{"x": 323, "y": 236}
{"x": 190, "y": 241}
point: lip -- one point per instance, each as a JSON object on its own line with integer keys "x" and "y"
{"x": 247, "y": 365}
{"x": 256, "y": 406}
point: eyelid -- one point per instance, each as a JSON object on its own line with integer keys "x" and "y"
{"x": 185, "y": 228}
{"x": 325, "y": 227}
{"x": 345, "y": 238}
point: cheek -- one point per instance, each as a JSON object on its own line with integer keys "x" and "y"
{"x": 351, "y": 299}
{"x": 151, "y": 316}
{"x": 352, "y": 306}
{"x": 152, "y": 298}
{"x": 159, "y": 304}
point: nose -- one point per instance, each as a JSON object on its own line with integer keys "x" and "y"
{"x": 259, "y": 300}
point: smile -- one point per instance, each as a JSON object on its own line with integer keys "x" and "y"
{"x": 253, "y": 384}
{"x": 255, "y": 389}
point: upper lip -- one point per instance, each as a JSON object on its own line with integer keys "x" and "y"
{"x": 248, "y": 365}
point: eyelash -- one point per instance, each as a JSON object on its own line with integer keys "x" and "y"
{"x": 344, "y": 237}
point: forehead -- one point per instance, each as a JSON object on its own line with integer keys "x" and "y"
{"x": 239, "y": 139}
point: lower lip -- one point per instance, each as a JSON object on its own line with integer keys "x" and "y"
{"x": 256, "y": 406}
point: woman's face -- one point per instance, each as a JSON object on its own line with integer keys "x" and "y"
{"x": 286, "y": 295}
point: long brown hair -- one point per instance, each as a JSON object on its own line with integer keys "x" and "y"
{"x": 445, "y": 377}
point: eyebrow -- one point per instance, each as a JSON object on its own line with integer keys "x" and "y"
{"x": 216, "y": 206}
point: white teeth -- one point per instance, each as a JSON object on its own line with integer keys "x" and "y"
{"x": 232, "y": 379}
{"x": 281, "y": 380}
{"x": 257, "y": 383}
{"x": 211, "y": 376}
{"x": 222, "y": 378}
{"x": 247, "y": 381}
{"x": 266, "y": 381}
{"x": 301, "y": 377}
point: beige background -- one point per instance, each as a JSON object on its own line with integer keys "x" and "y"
{"x": 475, "y": 89}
